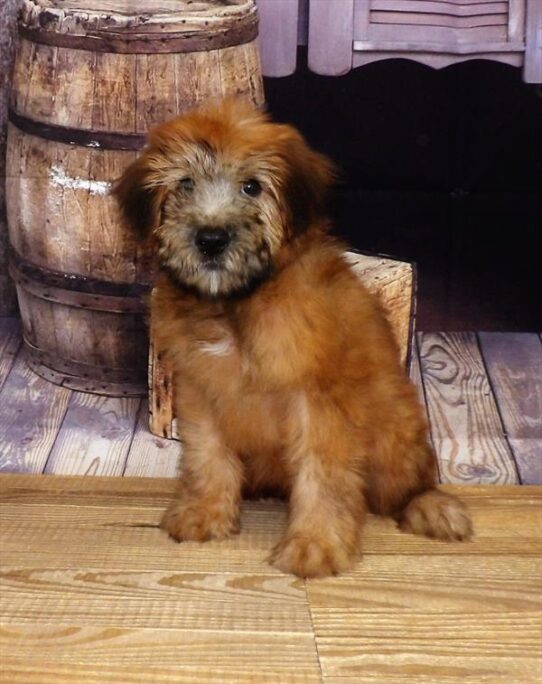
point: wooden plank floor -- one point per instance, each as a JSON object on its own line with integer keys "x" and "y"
{"x": 482, "y": 393}
{"x": 93, "y": 592}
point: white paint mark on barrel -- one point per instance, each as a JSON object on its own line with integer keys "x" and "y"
{"x": 59, "y": 177}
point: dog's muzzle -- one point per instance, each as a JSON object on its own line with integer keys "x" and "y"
{"x": 211, "y": 242}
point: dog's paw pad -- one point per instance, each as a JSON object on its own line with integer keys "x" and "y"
{"x": 310, "y": 557}
{"x": 438, "y": 515}
{"x": 192, "y": 523}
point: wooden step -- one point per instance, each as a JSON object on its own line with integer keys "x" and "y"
{"x": 93, "y": 591}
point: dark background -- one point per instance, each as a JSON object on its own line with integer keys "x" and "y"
{"x": 441, "y": 167}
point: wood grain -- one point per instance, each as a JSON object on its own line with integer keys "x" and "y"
{"x": 331, "y": 29}
{"x": 469, "y": 619}
{"x": 47, "y": 217}
{"x": 8, "y": 22}
{"x": 114, "y": 86}
{"x": 279, "y": 27}
{"x": 113, "y": 525}
{"x": 31, "y": 416}
{"x": 149, "y": 455}
{"x": 67, "y": 211}
{"x": 463, "y": 653}
{"x": 161, "y": 411}
{"x": 10, "y": 343}
{"x": 95, "y": 436}
{"x": 190, "y": 626}
{"x": 440, "y": 33}
{"x": 46, "y": 672}
{"x": 224, "y": 652}
{"x": 465, "y": 424}
{"x": 92, "y": 592}
{"x": 113, "y": 246}
{"x": 28, "y": 194}
{"x": 153, "y": 73}
{"x": 145, "y": 16}
{"x": 467, "y": 585}
{"x": 135, "y": 529}
{"x": 36, "y": 76}
{"x": 533, "y": 42}
{"x": 415, "y": 374}
{"x": 392, "y": 282}
{"x": 158, "y": 600}
{"x": 240, "y": 72}
{"x": 73, "y": 91}
{"x": 514, "y": 366}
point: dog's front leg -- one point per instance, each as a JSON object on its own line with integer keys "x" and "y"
{"x": 327, "y": 507}
{"x": 208, "y": 499}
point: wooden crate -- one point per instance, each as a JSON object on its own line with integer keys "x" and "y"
{"x": 394, "y": 283}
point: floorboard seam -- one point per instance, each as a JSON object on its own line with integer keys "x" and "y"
{"x": 499, "y": 413}
{"x": 417, "y": 351}
{"x": 314, "y": 635}
{"x": 51, "y": 450}
{"x": 136, "y": 423}
{"x": 16, "y": 354}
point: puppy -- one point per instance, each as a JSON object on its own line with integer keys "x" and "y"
{"x": 287, "y": 376}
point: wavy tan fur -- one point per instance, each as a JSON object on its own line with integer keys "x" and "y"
{"x": 287, "y": 375}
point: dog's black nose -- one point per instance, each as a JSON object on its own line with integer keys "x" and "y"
{"x": 212, "y": 241}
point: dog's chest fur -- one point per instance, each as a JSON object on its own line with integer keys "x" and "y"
{"x": 250, "y": 361}
{"x": 271, "y": 341}
{"x": 241, "y": 382}
{"x": 245, "y": 352}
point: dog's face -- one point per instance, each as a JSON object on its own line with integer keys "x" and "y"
{"x": 224, "y": 190}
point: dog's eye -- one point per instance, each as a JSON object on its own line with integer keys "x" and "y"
{"x": 187, "y": 184}
{"x": 252, "y": 188}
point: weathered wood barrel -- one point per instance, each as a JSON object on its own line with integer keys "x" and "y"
{"x": 90, "y": 78}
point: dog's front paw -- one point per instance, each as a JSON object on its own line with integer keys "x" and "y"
{"x": 310, "y": 556}
{"x": 195, "y": 522}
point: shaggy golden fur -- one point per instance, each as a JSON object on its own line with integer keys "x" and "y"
{"x": 287, "y": 375}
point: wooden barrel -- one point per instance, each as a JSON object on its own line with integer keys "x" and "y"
{"x": 90, "y": 78}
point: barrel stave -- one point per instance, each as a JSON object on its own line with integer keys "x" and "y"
{"x": 157, "y": 77}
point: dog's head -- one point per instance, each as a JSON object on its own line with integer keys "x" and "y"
{"x": 224, "y": 190}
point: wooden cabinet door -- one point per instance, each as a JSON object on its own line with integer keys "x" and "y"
{"x": 439, "y": 32}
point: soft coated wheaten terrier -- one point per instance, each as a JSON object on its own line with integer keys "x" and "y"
{"x": 287, "y": 374}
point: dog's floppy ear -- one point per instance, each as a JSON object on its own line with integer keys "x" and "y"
{"x": 309, "y": 178}
{"x": 139, "y": 200}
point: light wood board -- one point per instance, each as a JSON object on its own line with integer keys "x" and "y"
{"x": 105, "y": 454}
{"x": 514, "y": 366}
{"x": 150, "y": 455}
{"x": 91, "y": 590}
{"x": 466, "y": 427}
{"x": 10, "y": 343}
{"x": 32, "y": 410}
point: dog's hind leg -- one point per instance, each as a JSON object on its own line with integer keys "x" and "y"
{"x": 436, "y": 514}
{"x": 402, "y": 484}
